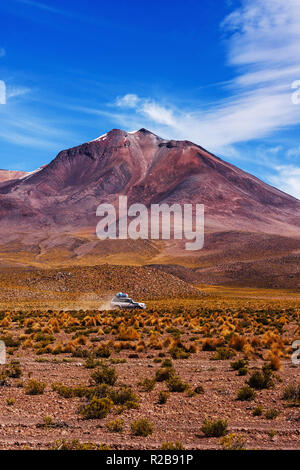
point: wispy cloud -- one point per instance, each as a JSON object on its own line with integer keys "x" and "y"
{"x": 43, "y": 6}
{"x": 2, "y": 52}
{"x": 14, "y": 91}
{"x": 263, "y": 39}
{"x": 287, "y": 179}
{"x": 20, "y": 125}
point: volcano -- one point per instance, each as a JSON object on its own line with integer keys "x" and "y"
{"x": 48, "y": 217}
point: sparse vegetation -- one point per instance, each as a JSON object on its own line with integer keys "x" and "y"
{"x": 116, "y": 426}
{"x": 97, "y": 408}
{"x": 233, "y": 442}
{"x": 214, "y": 428}
{"x": 258, "y": 410}
{"x": 246, "y": 393}
{"x": 107, "y": 363}
{"x": 141, "y": 427}
{"x": 34, "y": 387}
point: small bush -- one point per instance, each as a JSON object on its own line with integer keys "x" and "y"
{"x": 179, "y": 353}
{"x": 34, "y": 387}
{"x": 292, "y": 393}
{"x": 116, "y": 425}
{"x": 98, "y": 408}
{"x": 163, "y": 397}
{"x": 10, "y": 401}
{"x": 167, "y": 363}
{"x": 147, "y": 385}
{"x": 261, "y": 380}
{"x": 246, "y": 393}
{"x": 14, "y": 370}
{"x": 3, "y": 379}
{"x": 103, "y": 351}
{"x": 222, "y": 354}
{"x": 233, "y": 442}
{"x": 258, "y": 410}
{"x": 105, "y": 375}
{"x": 48, "y": 422}
{"x": 243, "y": 371}
{"x": 212, "y": 428}
{"x": 164, "y": 373}
{"x": 124, "y": 396}
{"x": 239, "y": 364}
{"x": 272, "y": 413}
{"x": 175, "y": 384}
{"x": 75, "y": 444}
{"x": 91, "y": 363}
{"x": 63, "y": 390}
{"x": 172, "y": 446}
{"x": 141, "y": 427}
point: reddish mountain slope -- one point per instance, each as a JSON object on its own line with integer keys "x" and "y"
{"x": 49, "y": 216}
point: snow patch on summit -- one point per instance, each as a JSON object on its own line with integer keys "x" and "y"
{"x": 102, "y": 137}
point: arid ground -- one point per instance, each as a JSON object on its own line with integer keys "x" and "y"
{"x": 202, "y": 368}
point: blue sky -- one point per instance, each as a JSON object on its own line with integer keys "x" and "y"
{"x": 219, "y": 73}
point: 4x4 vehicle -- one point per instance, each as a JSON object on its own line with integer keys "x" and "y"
{"x": 123, "y": 301}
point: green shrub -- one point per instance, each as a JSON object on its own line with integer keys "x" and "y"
{"x": 147, "y": 385}
{"x": 163, "y": 397}
{"x": 272, "y": 413}
{"x": 179, "y": 353}
{"x": 261, "y": 380}
{"x": 75, "y": 444}
{"x": 239, "y": 364}
{"x": 14, "y": 370}
{"x": 103, "y": 351}
{"x": 258, "y": 410}
{"x": 10, "y": 401}
{"x": 97, "y": 408}
{"x": 233, "y": 442}
{"x": 167, "y": 363}
{"x": 172, "y": 446}
{"x": 124, "y": 396}
{"x": 243, "y": 371}
{"x": 91, "y": 363}
{"x": 222, "y": 354}
{"x": 34, "y": 387}
{"x": 211, "y": 428}
{"x": 106, "y": 375}
{"x": 3, "y": 378}
{"x": 63, "y": 390}
{"x": 175, "y": 384}
{"x": 116, "y": 425}
{"x": 164, "y": 373}
{"x": 246, "y": 393}
{"x": 141, "y": 427}
{"x": 292, "y": 393}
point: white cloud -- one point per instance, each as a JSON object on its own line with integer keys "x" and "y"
{"x": 287, "y": 179}
{"x": 263, "y": 38}
{"x": 13, "y": 92}
{"x": 293, "y": 152}
{"x": 127, "y": 101}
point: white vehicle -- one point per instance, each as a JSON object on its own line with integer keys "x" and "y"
{"x": 123, "y": 301}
